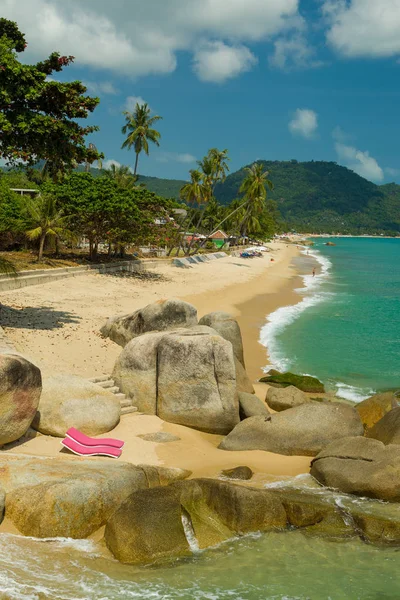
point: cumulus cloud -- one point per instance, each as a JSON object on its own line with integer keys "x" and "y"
{"x": 293, "y": 53}
{"x": 108, "y": 163}
{"x": 363, "y": 27}
{"x": 131, "y": 101}
{"x": 360, "y": 162}
{"x": 184, "y": 157}
{"x": 142, "y": 38}
{"x": 100, "y": 87}
{"x": 304, "y": 123}
{"x": 217, "y": 62}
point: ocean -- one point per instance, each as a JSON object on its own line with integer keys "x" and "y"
{"x": 345, "y": 330}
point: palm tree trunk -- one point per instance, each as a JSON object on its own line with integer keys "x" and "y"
{"x": 41, "y": 246}
{"x": 136, "y": 163}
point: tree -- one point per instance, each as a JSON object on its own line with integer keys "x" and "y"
{"x": 254, "y": 188}
{"x": 38, "y": 116}
{"x": 102, "y": 211}
{"x": 138, "y": 126}
{"x": 45, "y": 219}
{"x": 121, "y": 175}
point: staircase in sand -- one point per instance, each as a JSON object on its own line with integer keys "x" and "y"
{"x": 108, "y": 384}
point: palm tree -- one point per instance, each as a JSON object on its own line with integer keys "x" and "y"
{"x": 138, "y": 126}
{"x": 121, "y": 175}
{"x": 254, "y": 188}
{"x": 195, "y": 192}
{"x": 44, "y": 219}
{"x": 220, "y": 163}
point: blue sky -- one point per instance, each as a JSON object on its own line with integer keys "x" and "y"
{"x": 270, "y": 79}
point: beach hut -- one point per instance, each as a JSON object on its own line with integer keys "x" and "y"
{"x": 219, "y": 238}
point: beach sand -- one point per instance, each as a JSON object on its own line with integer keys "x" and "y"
{"x": 57, "y": 326}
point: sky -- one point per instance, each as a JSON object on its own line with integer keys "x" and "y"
{"x": 266, "y": 79}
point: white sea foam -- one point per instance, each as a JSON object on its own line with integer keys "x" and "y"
{"x": 349, "y": 392}
{"x": 284, "y": 316}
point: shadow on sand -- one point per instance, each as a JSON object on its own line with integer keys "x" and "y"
{"x": 42, "y": 318}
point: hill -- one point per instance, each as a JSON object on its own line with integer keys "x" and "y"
{"x": 323, "y": 196}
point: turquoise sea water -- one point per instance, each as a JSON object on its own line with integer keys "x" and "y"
{"x": 346, "y": 329}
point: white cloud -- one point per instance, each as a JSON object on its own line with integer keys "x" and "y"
{"x": 176, "y": 157}
{"x": 360, "y": 162}
{"x": 392, "y": 172}
{"x": 304, "y": 123}
{"x": 216, "y": 62}
{"x": 100, "y": 87}
{"x": 293, "y": 52}
{"x": 140, "y": 38}
{"x": 108, "y": 163}
{"x": 131, "y": 101}
{"x": 363, "y": 27}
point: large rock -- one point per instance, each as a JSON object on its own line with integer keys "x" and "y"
{"x": 185, "y": 376}
{"x": 70, "y": 401}
{"x": 71, "y": 497}
{"x": 149, "y": 526}
{"x": 228, "y": 328}
{"x": 280, "y": 399}
{"x": 160, "y": 316}
{"x": 302, "y": 431}
{"x": 251, "y": 406}
{"x": 244, "y": 473}
{"x": 243, "y": 383}
{"x": 387, "y": 430}
{"x": 2, "y": 503}
{"x": 361, "y": 466}
{"x": 20, "y": 388}
{"x": 305, "y": 383}
{"x": 170, "y": 522}
{"x": 373, "y": 409}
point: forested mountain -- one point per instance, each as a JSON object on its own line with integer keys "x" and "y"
{"x": 323, "y": 196}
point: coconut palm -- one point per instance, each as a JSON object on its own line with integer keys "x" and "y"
{"x": 138, "y": 126}
{"x": 122, "y": 175}
{"x": 44, "y": 220}
{"x": 219, "y": 159}
{"x": 254, "y": 188}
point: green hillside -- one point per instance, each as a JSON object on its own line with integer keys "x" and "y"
{"x": 325, "y": 197}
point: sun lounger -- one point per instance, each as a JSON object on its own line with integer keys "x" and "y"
{"x": 92, "y": 451}
{"x": 84, "y": 440}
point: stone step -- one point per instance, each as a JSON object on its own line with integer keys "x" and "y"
{"x": 114, "y": 389}
{"x": 99, "y": 378}
{"x": 120, "y": 396}
{"x": 128, "y": 409}
{"x": 107, "y": 384}
{"x": 126, "y": 402}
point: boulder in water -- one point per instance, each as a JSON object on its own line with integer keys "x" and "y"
{"x": 159, "y": 316}
{"x": 70, "y": 401}
{"x": 302, "y": 431}
{"x": 20, "y": 388}
{"x": 361, "y": 466}
{"x": 71, "y": 497}
{"x": 374, "y": 408}
{"x": 387, "y": 430}
{"x": 305, "y": 383}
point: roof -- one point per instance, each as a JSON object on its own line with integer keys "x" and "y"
{"x": 218, "y": 235}
{"x": 22, "y": 190}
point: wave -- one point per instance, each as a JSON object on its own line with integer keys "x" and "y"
{"x": 350, "y": 392}
{"x": 286, "y": 315}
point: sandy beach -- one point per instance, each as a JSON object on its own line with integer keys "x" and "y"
{"x": 57, "y": 326}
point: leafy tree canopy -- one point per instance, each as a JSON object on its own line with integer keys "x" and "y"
{"x": 38, "y": 115}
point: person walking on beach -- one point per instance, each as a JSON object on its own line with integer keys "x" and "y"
{"x": 313, "y": 272}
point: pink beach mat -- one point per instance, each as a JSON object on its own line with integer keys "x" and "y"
{"x": 82, "y": 439}
{"x": 77, "y": 448}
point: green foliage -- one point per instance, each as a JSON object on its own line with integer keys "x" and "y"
{"x": 101, "y": 210}
{"x": 38, "y": 118}
{"x": 42, "y": 219}
{"x": 325, "y": 197}
{"x": 121, "y": 175}
{"x": 139, "y": 127}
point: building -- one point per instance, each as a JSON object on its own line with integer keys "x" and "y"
{"x": 219, "y": 238}
{"x": 25, "y": 192}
